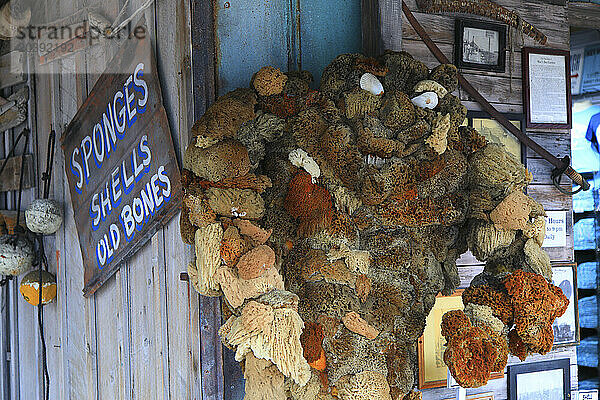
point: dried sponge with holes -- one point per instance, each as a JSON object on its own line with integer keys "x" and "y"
{"x": 225, "y": 117}
{"x": 269, "y": 81}
{"x": 226, "y": 159}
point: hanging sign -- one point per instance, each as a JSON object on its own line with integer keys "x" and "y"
{"x": 576, "y": 69}
{"x": 556, "y": 229}
{"x": 120, "y": 163}
{"x": 591, "y": 69}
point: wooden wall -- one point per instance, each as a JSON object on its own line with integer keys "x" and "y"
{"x": 503, "y": 90}
{"x": 138, "y": 337}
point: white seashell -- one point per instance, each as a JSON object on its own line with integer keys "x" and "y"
{"x": 301, "y": 159}
{"x": 426, "y": 100}
{"x": 371, "y": 84}
{"x": 44, "y": 216}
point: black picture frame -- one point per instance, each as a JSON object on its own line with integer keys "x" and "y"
{"x": 534, "y": 119}
{"x": 515, "y": 370}
{"x": 573, "y": 300}
{"x": 473, "y": 115}
{"x": 474, "y": 51}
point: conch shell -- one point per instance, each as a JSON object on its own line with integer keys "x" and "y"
{"x": 426, "y": 100}
{"x": 371, "y": 84}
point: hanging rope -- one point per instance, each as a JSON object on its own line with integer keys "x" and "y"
{"x": 43, "y": 262}
{"x": 24, "y": 134}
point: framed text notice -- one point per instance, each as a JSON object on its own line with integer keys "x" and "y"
{"x": 120, "y": 163}
{"x": 547, "y": 88}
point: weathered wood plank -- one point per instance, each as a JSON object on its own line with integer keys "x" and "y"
{"x": 9, "y": 180}
{"x": 113, "y": 341}
{"x": 494, "y": 90}
{"x": 550, "y": 197}
{"x": 583, "y": 15}
{"x": 391, "y": 24}
{"x": 12, "y": 69}
{"x": 557, "y": 143}
{"x": 180, "y": 306}
{"x": 78, "y": 314}
{"x": 550, "y": 19}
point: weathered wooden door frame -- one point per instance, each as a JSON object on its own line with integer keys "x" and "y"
{"x": 204, "y": 91}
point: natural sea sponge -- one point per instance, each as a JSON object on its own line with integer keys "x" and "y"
{"x": 481, "y": 316}
{"x": 263, "y": 380}
{"x": 255, "y": 234}
{"x": 356, "y": 324}
{"x": 536, "y": 259}
{"x": 244, "y": 203}
{"x": 236, "y": 289}
{"x": 497, "y": 300}
{"x": 359, "y": 102}
{"x": 233, "y": 246}
{"x": 429, "y": 85}
{"x": 312, "y": 341}
{"x": 404, "y": 71}
{"x": 280, "y": 344}
{"x": 485, "y": 239}
{"x": 186, "y": 229}
{"x": 208, "y": 259}
{"x": 472, "y": 353}
{"x": 497, "y": 171}
{"x": 224, "y": 117}
{"x": 536, "y": 304}
{"x": 447, "y": 75}
{"x": 255, "y": 262}
{"x": 311, "y": 204}
{"x": 226, "y": 159}
{"x": 363, "y": 287}
{"x": 366, "y": 385}
{"x": 438, "y": 140}
{"x": 269, "y": 81}
{"x": 397, "y": 111}
{"x": 512, "y": 212}
{"x": 257, "y": 317}
{"x": 198, "y": 210}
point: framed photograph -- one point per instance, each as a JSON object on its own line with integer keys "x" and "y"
{"x": 480, "y": 396}
{"x": 433, "y": 371}
{"x": 548, "y": 380}
{"x": 566, "y": 327}
{"x": 480, "y": 45}
{"x": 547, "y": 88}
{"x": 496, "y": 133}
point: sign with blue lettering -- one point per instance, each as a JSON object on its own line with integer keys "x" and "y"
{"x": 120, "y": 164}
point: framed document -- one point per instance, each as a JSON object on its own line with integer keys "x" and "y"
{"x": 547, "y": 88}
{"x": 566, "y": 327}
{"x": 496, "y": 133}
{"x": 549, "y": 380}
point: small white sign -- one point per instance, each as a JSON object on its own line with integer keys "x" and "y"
{"x": 556, "y": 229}
{"x": 588, "y": 395}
